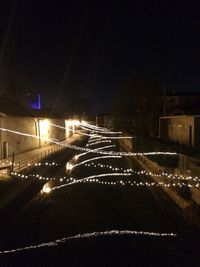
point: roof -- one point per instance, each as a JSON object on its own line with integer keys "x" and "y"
{"x": 179, "y": 116}
{"x": 11, "y": 106}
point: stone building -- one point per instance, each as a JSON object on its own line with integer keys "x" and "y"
{"x": 22, "y": 120}
{"x": 41, "y": 128}
{"x": 183, "y": 129}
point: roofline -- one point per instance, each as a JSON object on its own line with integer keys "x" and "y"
{"x": 179, "y": 116}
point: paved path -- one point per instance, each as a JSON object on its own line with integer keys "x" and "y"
{"x": 31, "y": 155}
{"x": 90, "y": 207}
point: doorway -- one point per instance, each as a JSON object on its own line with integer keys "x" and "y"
{"x": 5, "y": 150}
{"x": 190, "y": 135}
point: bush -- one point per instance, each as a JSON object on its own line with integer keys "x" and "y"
{"x": 184, "y": 191}
{"x": 141, "y": 144}
{"x": 165, "y": 160}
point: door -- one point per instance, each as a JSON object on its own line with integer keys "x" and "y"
{"x": 190, "y": 135}
{"x": 5, "y": 150}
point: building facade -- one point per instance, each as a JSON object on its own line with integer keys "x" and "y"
{"x": 183, "y": 129}
{"x": 18, "y": 139}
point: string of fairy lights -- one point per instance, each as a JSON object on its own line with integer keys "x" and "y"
{"x": 97, "y": 150}
{"x": 116, "y": 176}
{"x": 85, "y": 153}
{"x": 98, "y": 142}
{"x": 162, "y": 175}
{"x": 65, "y": 182}
{"x": 98, "y": 234}
{"x": 118, "y": 153}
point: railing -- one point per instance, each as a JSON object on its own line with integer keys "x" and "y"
{"x": 7, "y": 168}
{"x": 21, "y": 165}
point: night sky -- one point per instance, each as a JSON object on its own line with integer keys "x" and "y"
{"x": 89, "y": 48}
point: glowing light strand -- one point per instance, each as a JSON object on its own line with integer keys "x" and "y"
{"x": 89, "y": 235}
{"x": 96, "y": 130}
{"x": 96, "y": 158}
{"x": 101, "y": 148}
{"x": 74, "y": 181}
{"x": 87, "y": 149}
{"x": 95, "y": 135}
{"x": 71, "y": 130}
{"x": 131, "y": 183}
{"x": 98, "y": 142}
{"x": 94, "y": 179}
{"x": 120, "y": 153}
{"x": 143, "y": 172}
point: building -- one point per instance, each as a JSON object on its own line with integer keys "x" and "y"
{"x": 27, "y": 133}
{"x": 181, "y": 103}
{"x": 183, "y": 129}
{"x": 22, "y": 123}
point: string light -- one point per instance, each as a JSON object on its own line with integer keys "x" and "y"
{"x": 89, "y": 235}
{"x": 96, "y": 158}
{"x": 117, "y": 137}
{"x": 46, "y": 189}
{"x": 74, "y": 181}
{"x": 109, "y": 132}
{"x": 94, "y": 126}
{"x": 98, "y": 142}
{"x": 94, "y": 139}
{"x": 143, "y": 172}
{"x": 87, "y": 149}
{"x": 134, "y": 183}
{"x": 69, "y": 166}
{"x": 94, "y": 179}
{"x": 95, "y": 135}
{"x": 97, "y": 130}
{"x": 64, "y": 128}
{"x": 101, "y": 148}
{"x": 120, "y": 153}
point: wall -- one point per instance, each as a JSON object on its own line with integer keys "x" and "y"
{"x": 16, "y": 142}
{"x": 177, "y": 129}
{"x": 35, "y": 126}
{"x": 126, "y": 144}
{"x": 197, "y": 131}
{"x": 49, "y": 131}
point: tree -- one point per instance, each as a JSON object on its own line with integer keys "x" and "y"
{"x": 139, "y": 101}
{"x": 79, "y": 107}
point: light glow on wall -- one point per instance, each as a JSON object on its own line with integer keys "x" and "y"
{"x": 44, "y": 127}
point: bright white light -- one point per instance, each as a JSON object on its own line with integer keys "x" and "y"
{"x": 69, "y": 166}
{"x": 101, "y": 148}
{"x": 96, "y": 158}
{"x": 87, "y": 149}
{"x": 76, "y": 157}
{"x": 96, "y": 130}
{"x": 44, "y": 127}
{"x": 74, "y": 181}
{"x": 98, "y": 142}
{"x": 46, "y": 188}
{"x": 68, "y": 124}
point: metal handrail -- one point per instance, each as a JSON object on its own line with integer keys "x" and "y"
{"x": 21, "y": 165}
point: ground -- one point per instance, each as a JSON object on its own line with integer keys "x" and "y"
{"x": 90, "y": 207}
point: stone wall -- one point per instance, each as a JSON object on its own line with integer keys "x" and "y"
{"x": 35, "y": 126}
{"x": 179, "y": 129}
{"x": 126, "y": 144}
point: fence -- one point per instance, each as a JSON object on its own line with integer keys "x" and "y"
{"x": 21, "y": 165}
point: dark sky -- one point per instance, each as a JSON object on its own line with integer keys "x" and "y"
{"x": 89, "y": 48}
